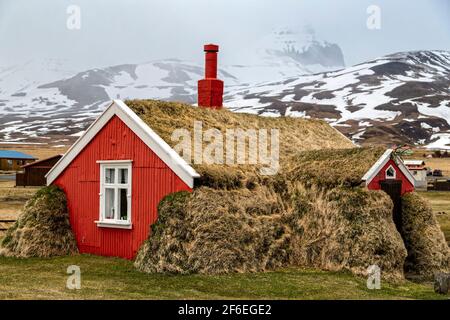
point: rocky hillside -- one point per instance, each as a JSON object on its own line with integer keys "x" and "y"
{"x": 399, "y": 98}
{"x": 42, "y": 100}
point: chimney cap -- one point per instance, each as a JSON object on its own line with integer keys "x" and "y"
{"x": 211, "y": 47}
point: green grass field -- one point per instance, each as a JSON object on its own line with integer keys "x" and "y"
{"x": 12, "y": 199}
{"x": 440, "y": 202}
{"x": 111, "y": 278}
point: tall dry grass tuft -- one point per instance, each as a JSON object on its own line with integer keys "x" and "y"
{"x": 428, "y": 252}
{"x": 217, "y": 231}
{"x": 43, "y": 229}
{"x": 348, "y": 229}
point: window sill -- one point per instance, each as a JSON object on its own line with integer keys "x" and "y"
{"x": 117, "y": 225}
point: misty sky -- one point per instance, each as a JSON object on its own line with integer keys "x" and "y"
{"x": 132, "y": 31}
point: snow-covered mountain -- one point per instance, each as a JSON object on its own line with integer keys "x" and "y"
{"x": 65, "y": 107}
{"x": 399, "y": 98}
{"x": 286, "y": 53}
{"x": 403, "y": 97}
{"x": 16, "y": 80}
{"x": 42, "y": 99}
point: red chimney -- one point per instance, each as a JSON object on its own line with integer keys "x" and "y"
{"x": 210, "y": 89}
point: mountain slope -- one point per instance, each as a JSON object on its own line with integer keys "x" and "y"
{"x": 398, "y": 98}
{"x": 286, "y": 53}
{"x": 66, "y": 107}
{"x": 41, "y": 100}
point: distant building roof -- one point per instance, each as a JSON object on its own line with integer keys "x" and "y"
{"x": 414, "y": 162}
{"x": 11, "y": 154}
{"x": 31, "y": 164}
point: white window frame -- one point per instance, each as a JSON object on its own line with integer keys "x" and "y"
{"x": 395, "y": 172}
{"x": 115, "y": 164}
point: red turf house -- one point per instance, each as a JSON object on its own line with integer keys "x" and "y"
{"x": 391, "y": 175}
{"x": 119, "y": 170}
{"x": 114, "y": 176}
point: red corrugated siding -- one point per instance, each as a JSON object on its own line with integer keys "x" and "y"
{"x": 152, "y": 180}
{"x": 375, "y": 183}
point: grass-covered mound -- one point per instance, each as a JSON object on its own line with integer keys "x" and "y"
{"x": 219, "y": 231}
{"x": 428, "y": 251}
{"x": 346, "y": 229}
{"x": 313, "y": 212}
{"x": 297, "y": 218}
{"x": 216, "y": 231}
{"x": 43, "y": 228}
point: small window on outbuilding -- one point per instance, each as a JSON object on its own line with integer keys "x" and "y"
{"x": 390, "y": 173}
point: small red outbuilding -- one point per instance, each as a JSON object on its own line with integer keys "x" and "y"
{"x": 390, "y": 174}
{"x": 114, "y": 176}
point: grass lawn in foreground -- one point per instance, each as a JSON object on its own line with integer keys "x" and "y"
{"x": 112, "y": 278}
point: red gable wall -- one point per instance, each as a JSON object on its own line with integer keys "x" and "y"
{"x": 381, "y": 175}
{"x": 152, "y": 179}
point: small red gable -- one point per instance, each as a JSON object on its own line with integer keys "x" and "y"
{"x": 389, "y": 168}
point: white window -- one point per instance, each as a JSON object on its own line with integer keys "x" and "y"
{"x": 115, "y": 194}
{"x": 390, "y": 173}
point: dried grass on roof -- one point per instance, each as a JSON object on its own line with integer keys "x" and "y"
{"x": 346, "y": 229}
{"x": 329, "y": 168}
{"x": 296, "y": 134}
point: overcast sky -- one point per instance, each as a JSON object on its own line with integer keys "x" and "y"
{"x": 133, "y": 31}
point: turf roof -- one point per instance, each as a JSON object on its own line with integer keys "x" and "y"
{"x": 296, "y": 134}
{"x": 311, "y": 151}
